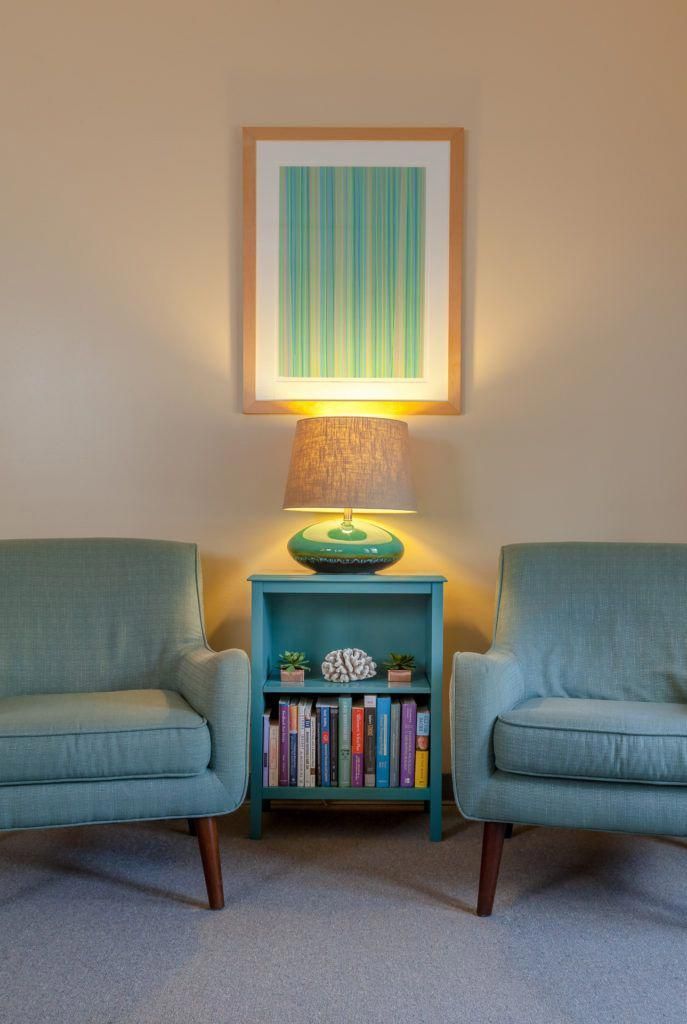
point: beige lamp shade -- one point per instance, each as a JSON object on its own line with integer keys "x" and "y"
{"x": 357, "y": 462}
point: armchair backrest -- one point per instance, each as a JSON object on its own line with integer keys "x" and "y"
{"x": 596, "y": 620}
{"x": 98, "y": 614}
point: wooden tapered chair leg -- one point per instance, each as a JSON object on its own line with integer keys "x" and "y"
{"x": 208, "y": 841}
{"x": 492, "y": 848}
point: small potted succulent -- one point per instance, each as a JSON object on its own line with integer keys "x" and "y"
{"x": 293, "y": 666}
{"x": 400, "y": 667}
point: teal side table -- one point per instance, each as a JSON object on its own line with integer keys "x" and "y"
{"x": 318, "y": 613}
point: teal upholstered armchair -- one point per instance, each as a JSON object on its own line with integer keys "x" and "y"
{"x": 112, "y": 706}
{"x": 577, "y": 716}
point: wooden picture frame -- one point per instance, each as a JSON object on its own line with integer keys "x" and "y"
{"x": 437, "y": 381}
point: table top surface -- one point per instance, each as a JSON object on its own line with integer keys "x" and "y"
{"x": 343, "y": 577}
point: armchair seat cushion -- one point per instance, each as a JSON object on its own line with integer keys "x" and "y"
{"x": 117, "y": 734}
{"x": 601, "y": 740}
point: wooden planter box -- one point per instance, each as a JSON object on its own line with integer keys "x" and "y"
{"x": 296, "y": 676}
{"x": 400, "y": 675}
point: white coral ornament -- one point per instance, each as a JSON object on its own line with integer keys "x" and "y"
{"x": 348, "y": 664}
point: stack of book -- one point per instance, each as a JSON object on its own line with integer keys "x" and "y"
{"x": 368, "y": 741}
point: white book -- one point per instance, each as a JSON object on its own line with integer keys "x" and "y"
{"x": 273, "y": 765}
{"x": 307, "y": 725}
{"x": 300, "y": 776}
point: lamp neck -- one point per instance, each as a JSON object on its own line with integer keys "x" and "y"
{"x": 347, "y": 521}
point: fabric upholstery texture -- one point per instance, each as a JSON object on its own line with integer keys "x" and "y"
{"x": 581, "y": 622}
{"x": 87, "y": 615}
{"x": 112, "y": 705}
{"x": 605, "y": 621}
{"x": 110, "y": 735}
{"x": 627, "y": 741}
{"x": 52, "y": 804}
{"x": 217, "y": 685}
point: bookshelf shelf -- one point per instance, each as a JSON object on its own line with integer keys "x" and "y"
{"x": 345, "y": 793}
{"x": 319, "y": 613}
{"x": 315, "y": 684}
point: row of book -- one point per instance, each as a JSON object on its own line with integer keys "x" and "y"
{"x": 367, "y": 741}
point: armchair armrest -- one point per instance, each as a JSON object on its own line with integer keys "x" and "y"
{"x": 217, "y": 686}
{"x": 483, "y": 686}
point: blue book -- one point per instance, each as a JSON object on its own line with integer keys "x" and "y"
{"x": 383, "y": 740}
{"x": 325, "y": 744}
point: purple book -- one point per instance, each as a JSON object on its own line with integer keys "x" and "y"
{"x": 408, "y": 727}
{"x": 266, "y": 748}
{"x": 284, "y": 742}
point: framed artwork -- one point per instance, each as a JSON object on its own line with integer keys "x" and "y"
{"x": 352, "y": 270}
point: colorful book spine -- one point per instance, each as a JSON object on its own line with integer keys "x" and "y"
{"x": 345, "y": 710}
{"x": 370, "y": 705}
{"x": 313, "y": 746}
{"x": 395, "y": 743}
{"x": 318, "y": 743}
{"x": 293, "y": 743}
{"x": 422, "y": 728}
{"x": 284, "y": 742}
{"x": 334, "y": 742}
{"x": 325, "y": 747}
{"x": 274, "y": 752}
{"x": 408, "y": 729}
{"x": 266, "y": 748}
{"x": 422, "y": 747}
{"x": 421, "y": 768}
{"x": 301, "y": 743}
{"x": 357, "y": 743}
{"x": 382, "y": 767}
{"x": 307, "y": 745}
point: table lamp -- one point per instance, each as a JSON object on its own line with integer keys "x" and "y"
{"x": 341, "y": 464}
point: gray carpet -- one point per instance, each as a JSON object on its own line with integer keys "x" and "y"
{"x": 340, "y": 916}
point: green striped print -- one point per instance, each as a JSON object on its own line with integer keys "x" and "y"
{"x": 351, "y": 271}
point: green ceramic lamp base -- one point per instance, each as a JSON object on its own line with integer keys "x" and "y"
{"x": 351, "y": 545}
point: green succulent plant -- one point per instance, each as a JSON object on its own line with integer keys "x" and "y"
{"x": 291, "y": 661}
{"x": 398, "y": 662}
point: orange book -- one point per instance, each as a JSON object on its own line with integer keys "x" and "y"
{"x": 357, "y": 743}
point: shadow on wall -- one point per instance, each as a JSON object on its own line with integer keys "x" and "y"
{"x": 223, "y": 582}
{"x": 462, "y": 636}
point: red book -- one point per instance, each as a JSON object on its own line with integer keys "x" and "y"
{"x": 357, "y": 743}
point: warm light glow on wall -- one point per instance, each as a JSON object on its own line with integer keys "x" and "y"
{"x": 348, "y": 408}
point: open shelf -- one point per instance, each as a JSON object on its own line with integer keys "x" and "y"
{"x": 345, "y": 793}
{"x": 317, "y": 614}
{"x": 323, "y": 686}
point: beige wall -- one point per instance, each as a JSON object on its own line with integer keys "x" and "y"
{"x": 121, "y": 277}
